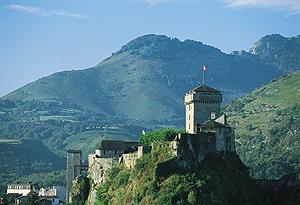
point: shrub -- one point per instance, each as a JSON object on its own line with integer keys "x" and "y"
{"x": 161, "y": 135}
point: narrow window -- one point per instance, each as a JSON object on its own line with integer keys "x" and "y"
{"x": 116, "y": 152}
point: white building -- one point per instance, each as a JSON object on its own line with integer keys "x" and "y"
{"x": 23, "y": 189}
{"x": 54, "y": 191}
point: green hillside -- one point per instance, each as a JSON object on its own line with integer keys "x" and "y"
{"x": 146, "y": 79}
{"x": 21, "y": 158}
{"x": 60, "y": 125}
{"x": 267, "y": 127}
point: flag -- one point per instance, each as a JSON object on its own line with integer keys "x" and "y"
{"x": 203, "y": 72}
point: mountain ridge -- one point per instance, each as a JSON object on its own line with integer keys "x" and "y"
{"x": 150, "y": 69}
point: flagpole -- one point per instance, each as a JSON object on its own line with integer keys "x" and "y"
{"x": 202, "y": 75}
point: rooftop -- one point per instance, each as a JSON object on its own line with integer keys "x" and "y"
{"x": 23, "y": 183}
{"x": 205, "y": 88}
{"x": 117, "y": 145}
{"x": 211, "y": 124}
{"x": 111, "y": 145}
{"x": 74, "y": 151}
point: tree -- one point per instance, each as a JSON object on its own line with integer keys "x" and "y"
{"x": 32, "y": 198}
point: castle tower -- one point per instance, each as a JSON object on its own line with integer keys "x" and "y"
{"x": 201, "y": 104}
{"x": 74, "y": 164}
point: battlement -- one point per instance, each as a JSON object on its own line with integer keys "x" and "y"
{"x": 203, "y": 97}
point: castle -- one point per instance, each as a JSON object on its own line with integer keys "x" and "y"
{"x": 207, "y": 131}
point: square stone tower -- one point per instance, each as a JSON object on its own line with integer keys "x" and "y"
{"x": 74, "y": 165}
{"x": 201, "y": 104}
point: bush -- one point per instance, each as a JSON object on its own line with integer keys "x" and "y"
{"x": 122, "y": 178}
{"x": 161, "y": 135}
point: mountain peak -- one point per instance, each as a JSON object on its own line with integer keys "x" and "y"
{"x": 156, "y": 42}
{"x": 144, "y": 41}
{"x": 280, "y": 51}
{"x": 162, "y": 47}
{"x": 273, "y": 36}
{"x": 267, "y": 42}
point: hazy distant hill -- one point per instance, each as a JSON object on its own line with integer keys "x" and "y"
{"x": 20, "y": 158}
{"x": 147, "y": 78}
{"x": 267, "y": 127}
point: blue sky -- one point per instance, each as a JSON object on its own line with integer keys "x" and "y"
{"x": 42, "y": 37}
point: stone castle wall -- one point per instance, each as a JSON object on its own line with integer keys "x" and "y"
{"x": 129, "y": 160}
{"x": 98, "y": 167}
{"x": 193, "y": 147}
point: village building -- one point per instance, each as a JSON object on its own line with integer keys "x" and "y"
{"x": 22, "y": 188}
{"x": 53, "y": 191}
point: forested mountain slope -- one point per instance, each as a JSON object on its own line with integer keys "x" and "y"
{"x": 267, "y": 127}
